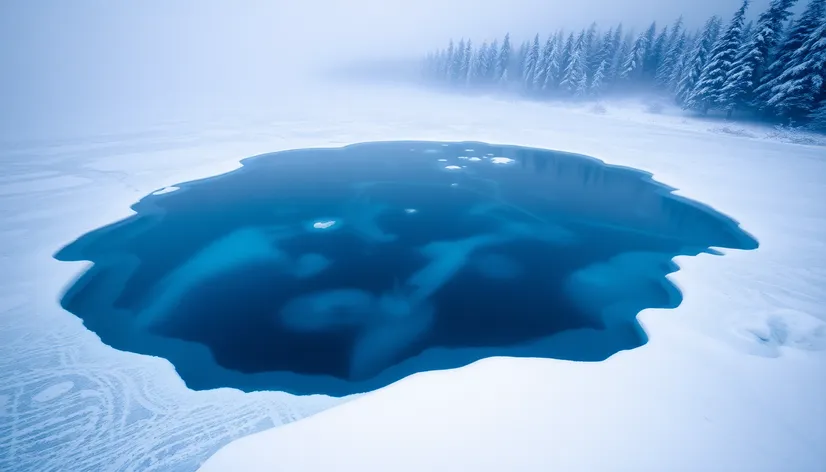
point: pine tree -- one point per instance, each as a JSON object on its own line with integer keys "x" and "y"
{"x": 799, "y": 32}
{"x": 521, "y": 58}
{"x": 464, "y": 68}
{"x": 748, "y": 31}
{"x": 566, "y": 52}
{"x": 458, "y": 61}
{"x": 656, "y": 52}
{"x": 531, "y": 60}
{"x": 449, "y": 61}
{"x": 648, "y": 59}
{"x": 606, "y": 48}
{"x": 682, "y": 62}
{"x": 671, "y": 54}
{"x": 698, "y": 59}
{"x": 552, "y": 68}
{"x": 802, "y": 86}
{"x": 493, "y": 57}
{"x": 707, "y": 92}
{"x": 542, "y": 64}
{"x": 632, "y": 66}
{"x": 504, "y": 59}
{"x": 752, "y": 60}
{"x": 589, "y": 47}
{"x": 574, "y": 80}
{"x": 598, "y": 80}
{"x": 480, "y": 67}
{"x": 622, "y": 43}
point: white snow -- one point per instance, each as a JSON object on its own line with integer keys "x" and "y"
{"x": 502, "y": 160}
{"x": 731, "y": 380}
{"x": 164, "y": 190}
{"x": 323, "y": 224}
{"x": 452, "y": 167}
{"x": 53, "y": 391}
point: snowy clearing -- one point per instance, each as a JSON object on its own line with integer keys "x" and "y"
{"x": 731, "y": 380}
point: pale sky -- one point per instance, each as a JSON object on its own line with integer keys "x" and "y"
{"x": 59, "y": 54}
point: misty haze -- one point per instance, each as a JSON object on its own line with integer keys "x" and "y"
{"x": 438, "y": 235}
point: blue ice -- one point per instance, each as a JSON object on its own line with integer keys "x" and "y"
{"x": 309, "y": 265}
{"x": 241, "y": 247}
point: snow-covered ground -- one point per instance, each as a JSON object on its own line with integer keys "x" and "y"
{"x": 734, "y": 379}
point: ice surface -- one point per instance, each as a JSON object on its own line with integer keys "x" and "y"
{"x": 446, "y": 258}
{"x": 328, "y": 310}
{"x": 53, "y": 392}
{"x": 165, "y": 190}
{"x": 497, "y": 266}
{"x": 385, "y": 342}
{"x": 244, "y": 246}
{"x": 694, "y": 398}
{"x": 454, "y": 270}
{"x": 309, "y": 265}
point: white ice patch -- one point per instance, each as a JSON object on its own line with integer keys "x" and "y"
{"x": 468, "y": 150}
{"x": 165, "y": 190}
{"x": 474, "y": 159}
{"x": 502, "y": 160}
{"x": 452, "y": 167}
{"x": 463, "y": 157}
{"x": 442, "y": 160}
{"x": 324, "y": 224}
{"x": 410, "y": 211}
{"x": 53, "y": 392}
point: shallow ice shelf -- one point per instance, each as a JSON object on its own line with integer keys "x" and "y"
{"x": 338, "y": 271}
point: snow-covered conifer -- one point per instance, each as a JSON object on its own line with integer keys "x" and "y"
{"x": 707, "y": 92}
{"x": 671, "y": 53}
{"x": 542, "y": 65}
{"x": 802, "y": 86}
{"x": 531, "y": 60}
{"x": 598, "y": 80}
{"x": 798, "y": 33}
{"x": 504, "y": 59}
{"x": 632, "y": 66}
{"x": 752, "y": 60}
{"x": 698, "y": 59}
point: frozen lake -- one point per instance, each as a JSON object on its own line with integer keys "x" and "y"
{"x": 339, "y": 271}
{"x": 739, "y": 358}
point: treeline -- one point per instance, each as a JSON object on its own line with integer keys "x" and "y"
{"x": 774, "y": 66}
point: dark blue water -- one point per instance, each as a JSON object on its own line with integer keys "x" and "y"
{"x": 338, "y": 271}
